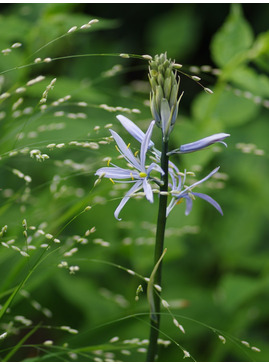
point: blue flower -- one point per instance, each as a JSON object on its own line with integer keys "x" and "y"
{"x": 139, "y": 175}
{"x": 179, "y": 194}
{"x": 200, "y": 144}
{"x": 138, "y": 134}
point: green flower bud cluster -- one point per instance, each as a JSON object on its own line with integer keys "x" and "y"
{"x": 164, "y": 99}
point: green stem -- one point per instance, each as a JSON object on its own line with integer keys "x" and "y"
{"x": 160, "y": 232}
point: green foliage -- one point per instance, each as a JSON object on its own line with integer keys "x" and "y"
{"x": 215, "y": 271}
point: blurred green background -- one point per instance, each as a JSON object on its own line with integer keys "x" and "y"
{"x": 216, "y": 270}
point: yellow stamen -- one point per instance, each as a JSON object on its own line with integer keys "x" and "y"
{"x": 136, "y": 153}
{"x": 108, "y": 162}
{"x": 128, "y": 146}
{"x": 132, "y": 176}
{"x": 179, "y": 201}
{"x": 117, "y": 148}
{"x": 142, "y": 174}
{"x": 112, "y": 180}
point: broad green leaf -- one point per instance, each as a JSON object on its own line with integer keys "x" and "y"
{"x": 249, "y": 80}
{"x": 231, "y": 110}
{"x": 233, "y": 38}
{"x": 238, "y": 289}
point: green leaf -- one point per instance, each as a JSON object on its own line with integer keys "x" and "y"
{"x": 233, "y": 38}
{"x": 237, "y": 289}
{"x": 226, "y": 107}
{"x": 248, "y": 79}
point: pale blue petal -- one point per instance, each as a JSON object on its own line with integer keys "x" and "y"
{"x": 133, "y": 129}
{"x": 147, "y": 190}
{"x": 126, "y": 152}
{"x": 202, "y": 180}
{"x": 156, "y": 167}
{"x": 203, "y": 143}
{"x": 200, "y": 144}
{"x": 170, "y": 206}
{"x": 165, "y": 115}
{"x": 210, "y": 200}
{"x": 176, "y": 178}
{"x": 145, "y": 144}
{"x": 117, "y": 172}
{"x": 125, "y": 199}
{"x": 189, "y": 203}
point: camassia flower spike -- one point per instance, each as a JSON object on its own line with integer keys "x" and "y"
{"x": 139, "y": 175}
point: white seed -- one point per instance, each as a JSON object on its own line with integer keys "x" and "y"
{"x": 35, "y": 80}
{"x": 2, "y": 336}
{"x": 27, "y": 179}
{"x": 87, "y": 208}
{"x": 73, "y": 331}
{"x": 16, "y": 45}
{"x": 24, "y": 254}
{"x": 82, "y": 103}
{"x": 47, "y": 60}
{"x": 59, "y": 113}
{"x": 60, "y": 145}
{"x": 186, "y": 354}
{"x": 125, "y": 352}
{"x": 141, "y": 350}
{"x": 195, "y": 78}
{"x": 146, "y": 56}
{"x": 158, "y": 287}
{"x": 124, "y": 55}
{"x": 222, "y": 339}
{"x": 11, "y": 241}
{"x": 4, "y": 96}
{"x": 208, "y": 90}
{"x": 73, "y": 269}
{"x": 15, "y": 248}
{"x": 177, "y": 65}
{"x": 136, "y": 111}
{"x": 72, "y": 29}
{"x": 131, "y": 272}
{"x": 52, "y": 145}
{"x": 114, "y": 339}
{"x": 48, "y": 342}
{"x": 44, "y": 246}
{"x": 19, "y": 90}
{"x": 165, "y": 304}
{"x": 176, "y": 323}
{"x": 206, "y": 68}
{"x": 67, "y": 328}
{"x": 85, "y": 26}
{"x": 47, "y": 312}
{"x": 17, "y": 103}
{"x": 6, "y": 51}
{"x": 254, "y": 348}
{"x": 93, "y": 21}
{"x": 36, "y": 305}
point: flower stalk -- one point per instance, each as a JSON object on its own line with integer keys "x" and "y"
{"x": 159, "y": 244}
{"x": 164, "y": 103}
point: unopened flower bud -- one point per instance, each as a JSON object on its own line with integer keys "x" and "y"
{"x": 164, "y": 100}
